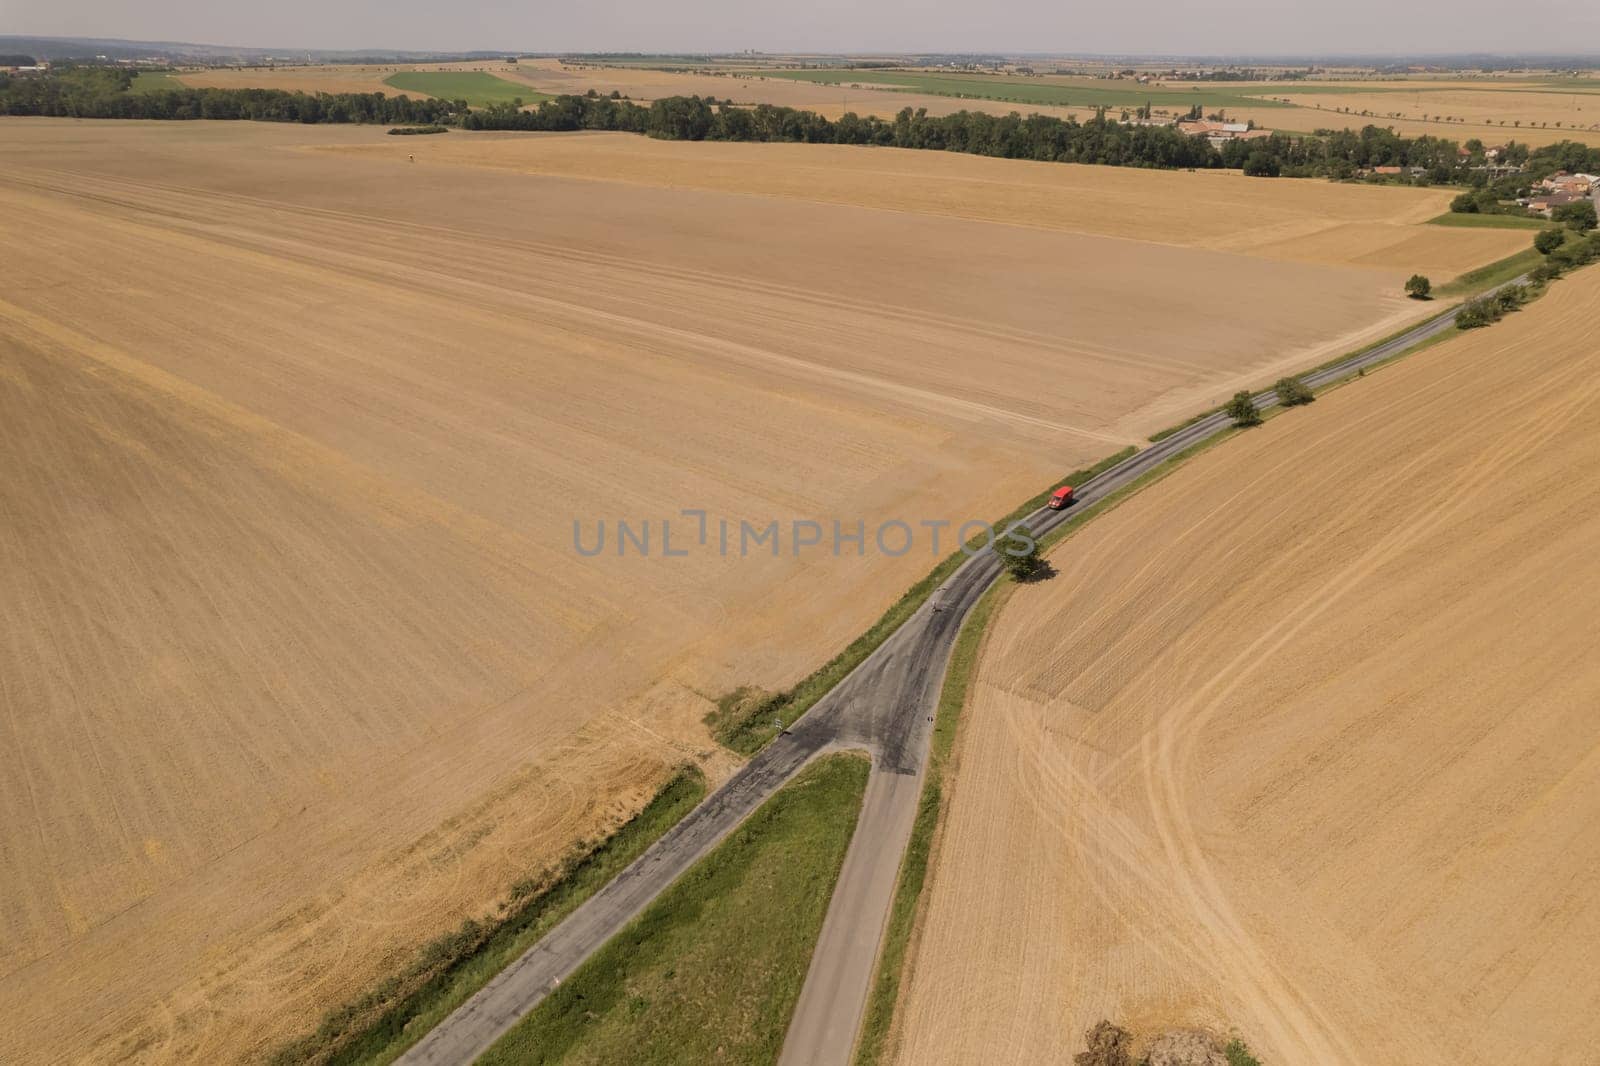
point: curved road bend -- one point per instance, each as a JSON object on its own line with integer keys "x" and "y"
{"x": 886, "y": 706}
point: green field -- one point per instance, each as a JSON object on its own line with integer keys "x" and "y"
{"x": 711, "y": 971}
{"x": 1038, "y": 90}
{"x": 154, "y": 81}
{"x": 1463, "y": 220}
{"x": 475, "y": 87}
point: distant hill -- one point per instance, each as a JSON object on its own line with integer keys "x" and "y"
{"x": 111, "y": 48}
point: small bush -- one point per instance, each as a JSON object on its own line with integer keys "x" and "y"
{"x": 1465, "y": 204}
{"x": 1566, "y": 257}
{"x": 1548, "y": 240}
{"x": 1511, "y": 297}
{"x": 1293, "y": 392}
{"x": 1580, "y": 216}
{"x": 1239, "y": 1055}
{"x": 1418, "y": 287}
{"x": 1242, "y": 409}
{"x": 1543, "y": 273}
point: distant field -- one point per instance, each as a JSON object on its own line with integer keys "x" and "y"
{"x": 1528, "y": 109}
{"x": 1054, "y": 91}
{"x": 476, "y": 88}
{"x": 1309, "y": 221}
{"x": 154, "y": 81}
{"x": 1536, "y": 111}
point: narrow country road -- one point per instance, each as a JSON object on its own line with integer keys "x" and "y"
{"x": 885, "y": 706}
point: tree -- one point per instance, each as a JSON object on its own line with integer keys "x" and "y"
{"x": 1242, "y": 409}
{"x": 1511, "y": 297}
{"x": 1465, "y": 204}
{"x": 1025, "y": 567}
{"x": 1292, "y": 392}
{"x": 1548, "y": 240}
{"x": 1261, "y": 165}
{"x": 1418, "y": 287}
{"x": 1478, "y": 313}
{"x": 1580, "y": 215}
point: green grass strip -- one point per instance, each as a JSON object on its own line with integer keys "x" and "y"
{"x": 711, "y": 971}
{"x": 746, "y": 725}
{"x": 381, "y": 1025}
{"x": 1466, "y": 220}
{"x": 1496, "y": 273}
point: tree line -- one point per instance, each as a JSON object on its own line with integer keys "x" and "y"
{"x": 99, "y": 92}
{"x": 1338, "y": 154}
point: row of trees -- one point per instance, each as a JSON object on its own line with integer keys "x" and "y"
{"x": 1330, "y": 153}
{"x": 103, "y": 93}
{"x": 693, "y": 118}
{"x": 99, "y": 92}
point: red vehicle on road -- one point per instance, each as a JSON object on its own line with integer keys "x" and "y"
{"x": 1061, "y": 497}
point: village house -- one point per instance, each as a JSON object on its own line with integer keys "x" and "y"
{"x": 1546, "y": 205}
{"x": 1561, "y": 183}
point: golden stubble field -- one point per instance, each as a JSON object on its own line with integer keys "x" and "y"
{"x": 1302, "y": 742}
{"x": 1495, "y": 111}
{"x": 1313, "y": 222}
{"x": 299, "y": 664}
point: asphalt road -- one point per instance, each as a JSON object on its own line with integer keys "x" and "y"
{"x": 885, "y": 706}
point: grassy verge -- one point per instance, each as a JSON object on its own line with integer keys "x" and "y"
{"x": 474, "y": 86}
{"x": 1496, "y": 273}
{"x": 891, "y": 968}
{"x": 743, "y": 720}
{"x": 1161, "y": 435}
{"x": 378, "y": 1027}
{"x": 711, "y": 971}
{"x": 1463, "y": 220}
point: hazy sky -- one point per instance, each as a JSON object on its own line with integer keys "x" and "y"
{"x": 1157, "y": 26}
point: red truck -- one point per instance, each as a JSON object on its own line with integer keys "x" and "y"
{"x": 1060, "y": 498}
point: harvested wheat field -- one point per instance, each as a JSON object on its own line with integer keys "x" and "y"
{"x": 325, "y": 79}
{"x": 300, "y": 664}
{"x": 1302, "y": 742}
{"x": 1526, "y": 114}
{"x": 744, "y": 87}
{"x": 1310, "y": 221}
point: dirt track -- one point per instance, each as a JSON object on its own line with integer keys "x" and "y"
{"x": 302, "y": 438}
{"x": 1302, "y": 742}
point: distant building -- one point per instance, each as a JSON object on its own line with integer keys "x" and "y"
{"x": 1546, "y": 205}
{"x": 1220, "y": 133}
